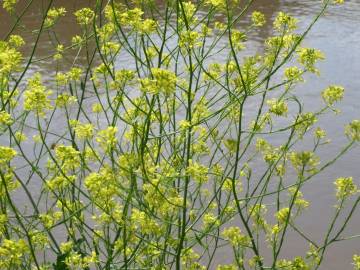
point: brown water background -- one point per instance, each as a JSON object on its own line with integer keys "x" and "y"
{"x": 337, "y": 34}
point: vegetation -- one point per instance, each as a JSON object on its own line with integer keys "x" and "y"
{"x": 158, "y": 153}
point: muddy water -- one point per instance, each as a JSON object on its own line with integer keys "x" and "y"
{"x": 337, "y": 34}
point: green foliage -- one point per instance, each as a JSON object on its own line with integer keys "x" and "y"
{"x": 158, "y": 150}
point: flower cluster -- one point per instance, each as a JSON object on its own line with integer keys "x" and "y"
{"x": 352, "y": 130}
{"x": 332, "y": 94}
{"x": 345, "y": 187}
{"x": 36, "y": 96}
{"x": 84, "y": 16}
{"x": 236, "y": 237}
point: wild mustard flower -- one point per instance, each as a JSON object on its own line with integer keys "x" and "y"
{"x": 304, "y": 122}
{"x": 84, "y": 16}
{"x": 320, "y": 133}
{"x": 12, "y": 253}
{"x": 144, "y": 222}
{"x": 333, "y": 94}
{"x": 135, "y": 188}
{"x": 298, "y": 263}
{"x": 68, "y": 157}
{"x": 209, "y": 220}
{"x": 313, "y": 256}
{"x": 96, "y": 108}
{"x": 20, "y": 137}
{"x": 39, "y": 240}
{"x": 148, "y": 26}
{"x": 257, "y": 213}
{"x": 53, "y": 15}
{"x": 16, "y": 41}
{"x": 60, "y": 182}
{"x": 285, "y": 22}
{"x": 254, "y": 261}
{"x": 238, "y": 38}
{"x": 305, "y": 160}
{"x": 220, "y": 4}
{"x": 236, "y": 237}
{"x": 6, "y": 154}
{"x": 277, "y": 107}
{"x": 131, "y": 17}
{"x": 189, "y": 39}
{"x": 59, "y": 52}
{"x": 107, "y": 138}
{"x": 294, "y": 74}
{"x": 352, "y": 130}
{"x": 356, "y": 262}
{"x": 5, "y": 118}
{"x": 36, "y": 96}
{"x": 50, "y": 218}
{"x": 122, "y": 77}
{"x": 198, "y": 172}
{"x": 188, "y": 13}
{"x": 219, "y": 26}
{"x": 9, "y": 5}
{"x": 345, "y": 187}
{"x": 102, "y": 186}
{"x": 84, "y": 131}
{"x": 10, "y": 59}
{"x": 165, "y": 80}
{"x": 299, "y": 201}
{"x": 74, "y": 74}
{"x": 282, "y": 215}
{"x": 75, "y": 260}
{"x": 77, "y": 40}
{"x": 308, "y": 58}
{"x": 258, "y": 18}
{"x": 64, "y": 100}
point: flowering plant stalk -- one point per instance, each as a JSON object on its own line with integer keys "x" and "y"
{"x": 157, "y": 153}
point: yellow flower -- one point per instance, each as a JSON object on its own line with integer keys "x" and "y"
{"x": 64, "y": 100}
{"x": 53, "y": 15}
{"x": 198, "y": 172}
{"x": 277, "y": 107}
{"x": 74, "y": 74}
{"x": 12, "y": 253}
{"x": 68, "y": 157}
{"x": 5, "y": 118}
{"x": 16, "y": 41}
{"x": 20, "y": 137}
{"x": 305, "y": 160}
{"x": 258, "y": 18}
{"x": 352, "y": 130}
{"x": 308, "y": 58}
{"x": 107, "y": 138}
{"x": 282, "y": 215}
{"x": 9, "y": 5}
{"x": 333, "y": 94}
{"x": 345, "y": 187}
{"x": 217, "y": 3}
{"x": 284, "y": 22}
{"x": 236, "y": 237}
{"x": 36, "y": 96}
{"x": 356, "y": 262}
{"x": 96, "y": 108}
{"x": 84, "y": 16}
{"x": 84, "y": 131}
{"x": 6, "y": 154}
{"x": 293, "y": 74}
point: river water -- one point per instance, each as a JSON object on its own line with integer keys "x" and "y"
{"x": 337, "y": 34}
